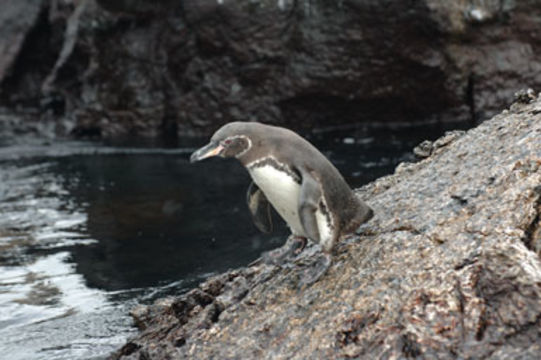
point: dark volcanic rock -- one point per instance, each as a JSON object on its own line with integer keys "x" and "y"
{"x": 449, "y": 268}
{"x": 149, "y": 68}
{"x": 17, "y": 17}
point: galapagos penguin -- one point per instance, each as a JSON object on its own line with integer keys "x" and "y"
{"x": 290, "y": 174}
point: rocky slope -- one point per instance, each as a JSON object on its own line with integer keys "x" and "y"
{"x": 449, "y": 268}
{"x": 106, "y": 68}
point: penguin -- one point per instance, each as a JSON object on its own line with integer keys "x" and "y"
{"x": 291, "y": 175}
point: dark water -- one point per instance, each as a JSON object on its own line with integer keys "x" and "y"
{"x": 89, "y": 230}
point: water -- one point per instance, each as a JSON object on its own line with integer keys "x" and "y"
{"x": 89, "y": 230}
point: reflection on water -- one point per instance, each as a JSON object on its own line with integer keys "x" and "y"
{"x": 44, "y": 301}
{"x": 87, "y": 231}
{"x": 159, "y": 219}
{"x": 42, "y": 297}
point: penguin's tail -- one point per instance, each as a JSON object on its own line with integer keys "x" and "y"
{"x": 366, "y": 213}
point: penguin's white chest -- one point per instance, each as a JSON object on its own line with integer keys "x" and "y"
{"x": 282, "y": 191}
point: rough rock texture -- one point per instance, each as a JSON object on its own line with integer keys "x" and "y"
{"x": 449, "y": 268}
{"x": 16, "y": 20}
{"x": 144, "y": 67}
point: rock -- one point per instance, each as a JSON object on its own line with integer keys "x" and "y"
{"x": 181, "y": 67}
{"x": 427, "y": 147}
{"x": 448, "y": 268}
{"x": 17, "y": 17}
{"x": 525, "y": 96}
{"x": 424, "y": 149}
{"x": 448, "y": 138}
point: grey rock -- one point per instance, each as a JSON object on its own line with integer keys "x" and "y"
{"x": 448, "y": 268}
{"x": 424, "y": 149}
{"x": 525, "y": 96}
{"x": 427, "y": 147}
{"x": 448, "y": 138}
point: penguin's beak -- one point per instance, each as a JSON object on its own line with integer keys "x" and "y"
{"x": 212, "y": 149}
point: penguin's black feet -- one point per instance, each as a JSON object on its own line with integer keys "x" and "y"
{"x": 299, "y": 243}
{"x": 293, "y": 247}
{"x": 315, "y": 270}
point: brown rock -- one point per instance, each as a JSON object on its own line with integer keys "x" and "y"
{"x": 449, "y": 268}
{"x": 177, "y": 67}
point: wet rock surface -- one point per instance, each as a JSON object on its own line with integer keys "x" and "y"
{"x": 448, "y": 268}
{"x": 111, "y": 68}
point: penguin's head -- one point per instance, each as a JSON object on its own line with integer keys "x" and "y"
{"x": 231, "y": 140}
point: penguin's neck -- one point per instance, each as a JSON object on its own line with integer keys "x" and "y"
{"x": 271, "y": 162}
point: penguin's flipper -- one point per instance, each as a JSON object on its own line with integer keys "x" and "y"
{"x": 308, "y": 203}
{"x": 260, "y": 208}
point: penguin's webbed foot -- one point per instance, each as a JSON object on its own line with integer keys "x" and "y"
{"x": 293, "y": 247}
{"x": 299, "y": 244}
{"x": 315, "y": 270}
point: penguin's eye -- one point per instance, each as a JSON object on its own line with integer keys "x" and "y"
{"x": 227, "y": 141}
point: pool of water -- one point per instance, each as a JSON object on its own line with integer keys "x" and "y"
{"x": 89, "y": 230}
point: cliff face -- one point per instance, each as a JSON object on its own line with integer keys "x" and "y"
{"x": 448, "y": 268}
{"x": 148, "y": 68}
